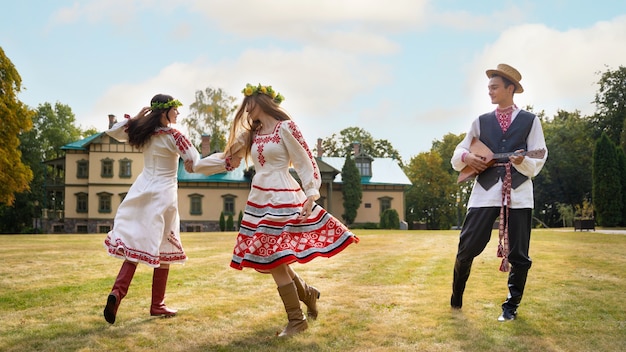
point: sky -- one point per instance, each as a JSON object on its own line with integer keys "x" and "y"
{"x": 406, "y": 71}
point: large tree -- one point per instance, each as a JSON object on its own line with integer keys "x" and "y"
{"x": 566, "y": 175}
{"x": 351, "y": 189}
{"x": 432, "y": 198}
{"x": 610, "y": 102}
{"x": 53, "y": 127}
{"x": 210, "y": 114}
{"x": 16, "y": 119}
{"x": 607, "y": 188}
{"x": 342, "y": 144}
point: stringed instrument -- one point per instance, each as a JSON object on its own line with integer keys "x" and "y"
{"x": 479, "y": 148}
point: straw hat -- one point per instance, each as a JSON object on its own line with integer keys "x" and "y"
{"x": 510, "y": 73}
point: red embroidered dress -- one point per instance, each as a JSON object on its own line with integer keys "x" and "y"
{"x": 146, "y": 228}
{"x": 270, "y": 233}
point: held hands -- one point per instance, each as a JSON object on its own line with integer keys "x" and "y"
{"x": 234, "y": 163}
{"x": 189, "y": 166}
{"x": 306, "y": 209}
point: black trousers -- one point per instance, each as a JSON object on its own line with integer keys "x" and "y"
{"x": 477, "y": 229}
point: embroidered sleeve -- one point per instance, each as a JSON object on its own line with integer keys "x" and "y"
{"x": 302, "y": 158}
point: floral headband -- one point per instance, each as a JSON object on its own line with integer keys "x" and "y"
{"x": 163, "y": 106}
{"x": 267, "y": 90}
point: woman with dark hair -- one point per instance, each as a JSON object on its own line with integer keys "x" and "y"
{"x": 146, "y": 228}
{"x": 282, "y": 224}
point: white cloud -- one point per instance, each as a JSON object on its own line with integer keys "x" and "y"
{"x": 317, "y": 82}
{"x": 558, "y": 68}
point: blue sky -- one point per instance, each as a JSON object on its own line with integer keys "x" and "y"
{"x": 408, "y": 71}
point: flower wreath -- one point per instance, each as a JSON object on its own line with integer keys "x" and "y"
{"x": 267, "y": 90}
{"x": 163, "y": 106}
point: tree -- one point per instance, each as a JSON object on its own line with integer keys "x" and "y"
{"x": 210, "y": 113}
{"x": 342, "y": 144}
{"x": 389, "y": 219}
{"x": 16, "y": 119}
{"x": 352, "y": 190}
{"x": 222, "y": 222}
{"x": 607, "y": 188}
{"x": 566, "y": 175}
{"x": 239, "y": 218}
{"x": 432, "y": 196}
{"x": 621, "y": 165}
{"x": 610, "y": 102}
{"x": 230, "y": 225}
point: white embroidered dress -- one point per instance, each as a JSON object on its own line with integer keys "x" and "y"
{"x": 270, "y": 233}
{"x": 146, "y": 228}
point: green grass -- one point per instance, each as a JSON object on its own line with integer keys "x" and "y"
{"x": 390, "y": 292}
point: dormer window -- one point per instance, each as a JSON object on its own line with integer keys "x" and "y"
{"x": 364, "y": 164}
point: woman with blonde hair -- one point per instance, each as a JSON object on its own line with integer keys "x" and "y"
{"x": 281, "y": 224}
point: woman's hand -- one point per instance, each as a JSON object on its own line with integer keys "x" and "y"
{"x": 306, "y": 209}
{"x": 143, "y": 112}
{"x": 189, "y": 166}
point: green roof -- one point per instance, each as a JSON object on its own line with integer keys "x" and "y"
{"x": 82, "y": 144}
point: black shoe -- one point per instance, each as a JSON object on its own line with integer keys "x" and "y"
{"x": 456, "y": 302}
{"x": 507, "y": 315}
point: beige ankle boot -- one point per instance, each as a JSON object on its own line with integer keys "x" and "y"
{"x": 297, "y": 320}
{"x": 308, "y": 295}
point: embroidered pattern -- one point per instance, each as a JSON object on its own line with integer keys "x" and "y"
{"x": 504, "y": 117}
{"x": 261, "y": 140}
{"x": 181, "y": 141}
{"x": 295, "y": 131}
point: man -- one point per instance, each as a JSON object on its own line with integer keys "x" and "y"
{"x": 503, "y": 187}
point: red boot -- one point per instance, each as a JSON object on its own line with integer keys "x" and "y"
{"x": 120, "y": 288}
{"x": 159, "y": 282}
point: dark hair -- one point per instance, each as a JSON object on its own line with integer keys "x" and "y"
{"x": 507, "y": 82}
{"x": 140, "y": 129}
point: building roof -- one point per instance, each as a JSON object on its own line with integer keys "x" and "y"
{"x": 385, "y": 171}
{"x": 82, "y": 144}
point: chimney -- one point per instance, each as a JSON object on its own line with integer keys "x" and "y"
{"x": 320, "y": 150}
{"x": 112, "y": 120}
{"x": 205, "y": 145}
{"x": 356, "y": 146}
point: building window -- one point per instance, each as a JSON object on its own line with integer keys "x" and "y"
{"x": 195, "y": 206}
{"x": 107, "y": 168}
{"x": 104, "y": 228}
{"x": 104, "y": 202}
{"x": 82, "y": 229}
{"x": 364, "y": 169}
{"x": 82, "y": 202}
{"x": 367, "y": 205}
{"x": 125, "y": 168}
{"x": 385, "y": 203}
{"x": 122, "y": 196}
{"x": 229, "y": 204}
{"x": 82, "y": 169}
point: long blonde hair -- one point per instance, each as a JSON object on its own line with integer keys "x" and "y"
{"x": 243, "y": 123}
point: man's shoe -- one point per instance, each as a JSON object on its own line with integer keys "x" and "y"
{"x": 456, "y": 302}
{"x": 507, "y": 315}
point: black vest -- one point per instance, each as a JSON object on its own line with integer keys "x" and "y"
{"x": 513, "y": 139}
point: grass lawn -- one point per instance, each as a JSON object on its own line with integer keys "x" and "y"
{"x": 390, "y": 292}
